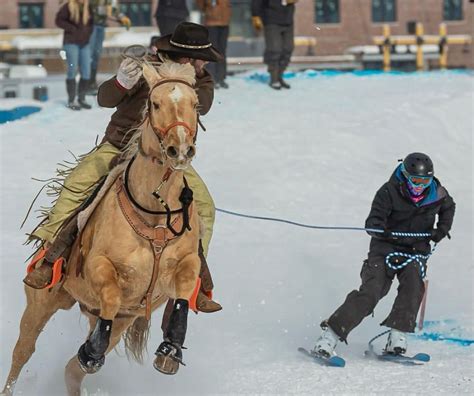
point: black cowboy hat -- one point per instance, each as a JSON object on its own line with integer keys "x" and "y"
{"x": 189, "y": 40}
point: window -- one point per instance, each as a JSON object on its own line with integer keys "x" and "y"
{"x": 241, "y": 19}
{"x": 138, "y": 11}
{"x": 452, "y": 10}
{"x": 31, "y": 15}
{"x": 327, "y": 11}
{"x": 384, "y": 11}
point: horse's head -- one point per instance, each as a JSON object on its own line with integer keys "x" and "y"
{"x": 172, "y": 112}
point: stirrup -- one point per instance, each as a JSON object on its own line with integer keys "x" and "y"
{"x": 32, "y": 265}
{"x": 57, "y": 268}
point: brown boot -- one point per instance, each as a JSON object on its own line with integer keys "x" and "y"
{"x": 203, "y": 302}
{"x": 40, "y": 277}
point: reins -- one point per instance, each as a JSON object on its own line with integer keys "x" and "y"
{"x": 186, "y": 198}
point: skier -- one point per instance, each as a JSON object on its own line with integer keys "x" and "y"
{"x": 408, "y": 202}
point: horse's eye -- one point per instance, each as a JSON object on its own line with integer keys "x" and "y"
{"x": 156, "y": 106}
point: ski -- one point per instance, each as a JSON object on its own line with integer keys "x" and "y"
{"x": 415, "y": 360}
{"x": 333, "y": 361}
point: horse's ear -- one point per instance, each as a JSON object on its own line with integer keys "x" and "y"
{"x": 150, "y": 74}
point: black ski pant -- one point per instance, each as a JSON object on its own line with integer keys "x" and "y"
{"x": 218, "y": 36}
{"x": 377, "y": 278}
{"x": 278, "y": 46}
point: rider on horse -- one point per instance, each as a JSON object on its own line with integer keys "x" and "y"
{"x": 128, "y": 92}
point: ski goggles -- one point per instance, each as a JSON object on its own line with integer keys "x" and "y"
{"x": 424, "y": 181}
{"x": 420, "y": 180}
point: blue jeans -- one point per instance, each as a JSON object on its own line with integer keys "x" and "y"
{"x": 95, "y": 42}
{"x": 78, "y": 57}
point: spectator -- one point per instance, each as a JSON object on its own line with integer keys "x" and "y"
{"x": 102, "y": 10}
{"x": 275, "y": 17}
{"x": 217, "y": 19}
{"x": 169, "y": 14}
{"x": 75, "y": 17}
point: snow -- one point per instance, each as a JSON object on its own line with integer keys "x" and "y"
{"x": 314, "y": 154}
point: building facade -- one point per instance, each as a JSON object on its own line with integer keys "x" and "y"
{"x": 336, "y": 24}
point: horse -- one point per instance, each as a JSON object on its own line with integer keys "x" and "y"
{"x": 139, "y": 246}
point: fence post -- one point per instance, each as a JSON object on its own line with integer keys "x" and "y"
{"x": 387, "y": 46}
{"x": 443, "y": 46}
{"x": 419, "y": 46}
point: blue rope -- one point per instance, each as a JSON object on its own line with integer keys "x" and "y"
{"x": 410, "y": 258}
{"x": 371, "y": 346}
{"x": 318, "y": 227}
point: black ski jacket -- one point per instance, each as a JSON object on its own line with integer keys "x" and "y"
{"x": 393, "y": 210}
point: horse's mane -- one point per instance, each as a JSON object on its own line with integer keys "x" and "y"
{"x": 184, "y": 72}
{"x": 168, "y": 70}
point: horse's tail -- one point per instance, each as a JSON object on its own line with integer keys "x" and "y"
{"x": 136, "y": 338}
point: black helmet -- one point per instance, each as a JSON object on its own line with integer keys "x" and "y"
{"x": 418, "y": 164}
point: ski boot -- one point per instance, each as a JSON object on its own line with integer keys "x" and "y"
{"x": 396, "y": 343}
{"x": 326, "y": 343}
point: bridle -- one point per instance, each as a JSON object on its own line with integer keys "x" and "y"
{"x": 186, "y": 196}
{"x": 162, "y": 132}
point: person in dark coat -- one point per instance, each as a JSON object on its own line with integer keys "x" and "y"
{"x": 409, "y": 202}
{"x": 217, "y": 14}
{"x": 75, "y": 17}
{"x": 276, "y": 18}
{"x": 169, "y": 14}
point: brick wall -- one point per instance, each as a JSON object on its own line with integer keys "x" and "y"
{"x": 356, "y": 26}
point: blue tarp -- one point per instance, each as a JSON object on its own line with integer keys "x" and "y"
{"x": 17, "y": 113}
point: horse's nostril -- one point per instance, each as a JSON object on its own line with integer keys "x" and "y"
{"x": 191, "y": 152}
{"x": 172, "y": 152}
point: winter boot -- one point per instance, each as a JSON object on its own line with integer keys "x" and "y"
{"x": 93, "y": 87}
{"x": 71, "y": 94}
{"x": 42, "y": 276}
{"x": 326, "y": 343}
{"x": 83, "y": 87}
{"x": 274, "y": 78}
{"x": 283, "y": 83}
{"x": 223, "y": 84}
{"x": 396, "y": 343}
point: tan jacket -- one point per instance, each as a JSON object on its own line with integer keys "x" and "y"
{"x": 216, "y": 12}
{"x": 130, "y": 104}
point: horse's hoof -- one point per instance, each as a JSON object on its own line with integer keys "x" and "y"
{"x": 87, "y": 363}
{"x": 168, "y": 358}
{"x": 166, "y": 365}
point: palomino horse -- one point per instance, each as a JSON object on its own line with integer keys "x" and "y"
{"x": 139, "y": 247}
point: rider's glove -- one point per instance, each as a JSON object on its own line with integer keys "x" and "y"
{"x": 129, "y": 73}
